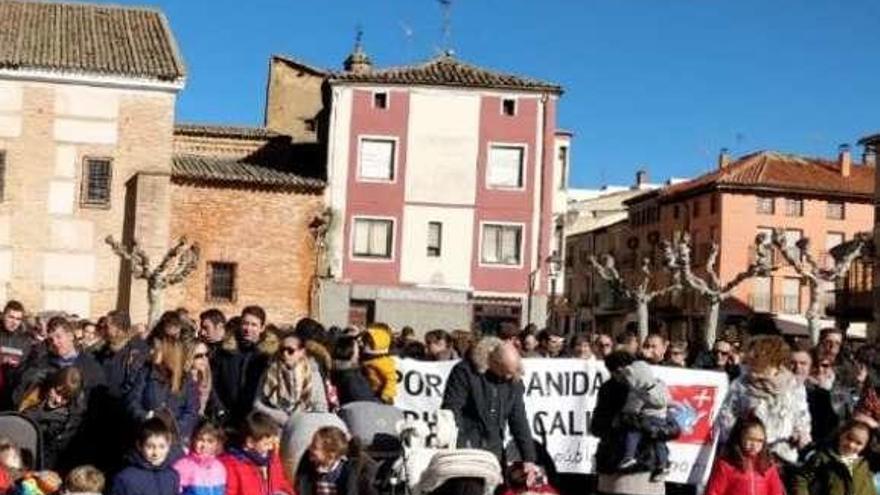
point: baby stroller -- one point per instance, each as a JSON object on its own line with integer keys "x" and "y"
{"x": 375, "y": 426}
{"x": 22, "y": 432}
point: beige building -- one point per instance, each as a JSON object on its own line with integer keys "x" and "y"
{"x": 85, "y": 148}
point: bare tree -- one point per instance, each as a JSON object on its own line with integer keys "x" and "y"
{"x": 175, "y": 266}
{"x": 639, "y": 293}
{"x": 810, "y": 271}
{"x": 711, "y": 288}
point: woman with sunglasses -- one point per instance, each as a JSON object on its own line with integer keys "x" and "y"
{"x": 198, "y": 366}
{"x": 292, "y": 383}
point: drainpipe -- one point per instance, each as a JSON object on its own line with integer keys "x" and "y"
{"x": 543, "y": 166}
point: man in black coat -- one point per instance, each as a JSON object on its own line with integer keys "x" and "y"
{"x": 61, "y": 353}
{"x": 485, "y": 394}
{"x": 15, "y": 345}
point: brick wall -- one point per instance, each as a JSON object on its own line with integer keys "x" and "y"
{"x": 52, "y": 250}
{"x": 265, "y": 232}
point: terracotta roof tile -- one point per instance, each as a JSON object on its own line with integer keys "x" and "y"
{"x": 232, "y": 170}
{"x": 446, "y": 71}
{"x": 224, "y": 131}
{"x": 767, "y": 170}
{"x": 87, "y": 38}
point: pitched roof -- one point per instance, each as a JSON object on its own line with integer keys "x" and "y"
{"x": 88, "y": 38}
{"x": 237, "y": 170}
{"x": 224, "y": 131}
{"x": 772, "y": 171}
{"x": 602, "y": 211}
{"x": 446, "y": 70}
{"x": 301, "y": 65}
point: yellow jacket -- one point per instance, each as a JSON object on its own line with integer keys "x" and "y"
{"x": 381, "y": 372}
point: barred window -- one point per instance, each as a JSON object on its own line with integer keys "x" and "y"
{"x": 435, "y": 239}
{"x": 221, "y": 281}
{"x": 835, "y": 211}
{"x": 765, "y": 205}
{"x": 794, "y": 207}
{"x": 97, "y": 175}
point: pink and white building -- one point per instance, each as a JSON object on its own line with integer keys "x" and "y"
{"x": 446, "y": 184}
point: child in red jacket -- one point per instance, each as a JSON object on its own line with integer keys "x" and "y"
{"x": 255, "y": 467}
{"x": 745, "y": 466}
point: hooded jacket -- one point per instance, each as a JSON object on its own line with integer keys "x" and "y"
{"x": 727, "y": 479}
{"x": 201, "y": 475}
{"x": 143, "y": 478}
{"x": 647, "y": 394}
{"x": 245, "y": 477}
{"x": 379, "y": 367}
{"x": 823, "y": 473}
{"x": 483, "y": 405}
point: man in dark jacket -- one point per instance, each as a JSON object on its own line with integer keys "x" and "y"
{"x": 485, "y": 394}
{"x": 237, "y": 373}
{"x": 15, "y": 345}
{"x": 61, "y": 354}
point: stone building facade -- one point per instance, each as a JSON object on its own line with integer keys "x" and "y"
{"x": 86, "y": 149}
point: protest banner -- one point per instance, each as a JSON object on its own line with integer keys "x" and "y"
{"x": 560, "y": 399}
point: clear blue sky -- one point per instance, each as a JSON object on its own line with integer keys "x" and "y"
{"x": 658, "y": 83}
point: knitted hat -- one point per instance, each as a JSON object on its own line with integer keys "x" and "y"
{"x": 377, "y": 339}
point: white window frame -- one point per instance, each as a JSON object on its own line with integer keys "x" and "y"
{"x": 387, "y": 99}
{"x": 371, "y": 259}
{"x": 395, "y": 158}
{"x": 522, "y": 244}
{"x": 515, "y": 101}
{"x": 525, "y": 165}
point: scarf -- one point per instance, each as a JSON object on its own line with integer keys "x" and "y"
{"x": 768, "y": 387}
{"x": 252, "y": 457}
{"x": 289, "y": 389}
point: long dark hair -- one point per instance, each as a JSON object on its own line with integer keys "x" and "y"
{"x": 733, "y": 449}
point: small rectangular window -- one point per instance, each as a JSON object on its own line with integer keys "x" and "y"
{"x": 794, "y": 207}
{"x": 508, "y": 107}
{"x": 835, "y": 210}
{"x": 372, "y": 238}
{"x": 506, "y": 166}
{"x": 696, "y": 208}
{"x": 380, "y": 100}
{"x": 311, "y": 125}
{"x": 765, "y": 205}
{"x": 97, "y": 175}
{"x": 435, "y": 239}
{"x": 501, "y": 244}
{"x": 2, "y": 176}
{"x": 376, "y": 161}
{"x": 221, "y": 282}
{"x": 563, "y": 168}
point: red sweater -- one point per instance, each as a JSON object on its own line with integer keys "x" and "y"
{"x": 728, "y": 479}
{"x": 244, "y": 477}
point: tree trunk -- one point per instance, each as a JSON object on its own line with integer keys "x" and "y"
{"x": 155, "y": 303}
{"x": 642, "y": 311}
{"x": 711, "y": 326}
{"x": 814, "y": 313}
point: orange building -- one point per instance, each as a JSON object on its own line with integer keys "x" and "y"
{"x": 827, "y": 201}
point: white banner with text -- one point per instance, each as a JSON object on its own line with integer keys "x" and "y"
{"x": 560, "y": 399}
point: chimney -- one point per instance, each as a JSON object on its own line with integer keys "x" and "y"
{"x": 869, "y": 157}
{"x": 641, "y": 178}
{"x": 723, "y": 158}
{"x": 844, "y": 159}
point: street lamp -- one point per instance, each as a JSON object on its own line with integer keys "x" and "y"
{"x": 554, "y": 267}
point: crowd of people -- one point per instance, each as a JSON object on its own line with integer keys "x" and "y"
{"x": 196, "y": 405}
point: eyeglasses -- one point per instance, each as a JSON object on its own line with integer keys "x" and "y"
{"x": 289, "y": 350}
{"x": 200, "y": 355}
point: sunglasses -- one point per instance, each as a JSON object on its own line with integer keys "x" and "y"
{"x": 289, "y": 350}
{"x": 200, "y": 355}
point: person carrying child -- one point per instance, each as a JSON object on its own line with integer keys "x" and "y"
{"x": 57, "y": 408}
{"x": 745, "y": 466}
{"x": 646, "y": 402}
{"x": 839, "y": 468}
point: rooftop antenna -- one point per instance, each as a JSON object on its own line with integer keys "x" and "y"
{"x": 446, "y": 46}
